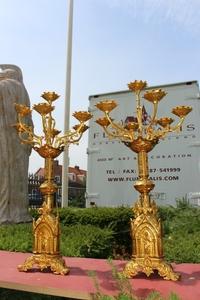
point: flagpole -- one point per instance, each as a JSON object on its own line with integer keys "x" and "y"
{"x": 65, "y": 167}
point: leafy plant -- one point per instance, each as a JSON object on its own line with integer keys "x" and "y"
{"x": 86, "y": 241}
{"x": 79, "y": 201}
{"x": 123, "y": 285}
{"x": 125, "y": 290}
{"x": 116, "y": 219}
{"x": 77, "y": 240}
{"x": 17, "y": 237}
{"x": 106, "y": 232}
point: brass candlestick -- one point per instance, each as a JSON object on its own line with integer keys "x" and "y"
{"x": 141, "y": 137}
{"x": 46, "y": 229}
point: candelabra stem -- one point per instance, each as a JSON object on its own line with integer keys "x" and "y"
{"x": 49, "y": 182}
{"x": 143, "y": 185}
{"x": 143, "y": 168}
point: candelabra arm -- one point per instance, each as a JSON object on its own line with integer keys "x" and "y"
{"x": 137, "y": 93}
{"x": 139, "y": 113}
{"x": 23, "y": 140}
{"x": 44, "y": 125}
{"x": 31, "y": 141}
{"x": 121, "y": 136}
{"x": 32, "y": 137}
{"x": 149, "y": 129}
{"x": 68, "y": 139}
{"x": 178, "y": 126}
{"x": 50, "y": 121}
{"x": 114, "y": 125}
{"x": 161, "y": 133}
{"x": 155, "y": 110}
{"x": 51, "y": 126}
{"x": 73, "y": 138}
{"x": 48, "y": 124}
{"x": 60, "y": 140}
{"x": 120, "y": 129}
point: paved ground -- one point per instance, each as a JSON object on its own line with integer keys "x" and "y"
{"x": 79, "y": 285}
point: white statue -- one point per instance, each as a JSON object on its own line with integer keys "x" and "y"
{"x": 14, "y": 157}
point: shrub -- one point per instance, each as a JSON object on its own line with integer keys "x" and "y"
{"x": 16, "y": 237}
{"x": 181, "y": 228}
{"x": 166, "y": 212}
{"x": 77, "y": 240}
{"x": 86, "y": 241}
{"x": 116, "y": 219}
{"x": 102, "y": 217}
{"x": 182, "y": 248}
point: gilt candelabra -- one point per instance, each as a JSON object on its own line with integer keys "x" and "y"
{"x": 46, "y": 229}
{"x": 141, "y": 136}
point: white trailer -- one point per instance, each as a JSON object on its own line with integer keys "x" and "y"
{"x": 174, "y": 163}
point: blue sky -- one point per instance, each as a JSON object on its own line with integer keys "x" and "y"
{"x": 114, "y": 42}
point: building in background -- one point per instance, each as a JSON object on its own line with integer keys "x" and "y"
{"x": 77, "y": 185}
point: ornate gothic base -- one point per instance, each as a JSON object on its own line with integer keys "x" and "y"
{"x": 148, "y": 265}
{"x": 55, "y": 262}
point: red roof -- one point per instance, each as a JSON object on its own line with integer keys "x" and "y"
{"x": 58, "y": 170}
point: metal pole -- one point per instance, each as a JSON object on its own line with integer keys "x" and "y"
{"x": 67, "y": 104}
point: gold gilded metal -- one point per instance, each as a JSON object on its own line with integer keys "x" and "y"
{"x": 50, "y": 96}
{"x": 165, "y": 121}
{"x": 83, "y": 128}
{"x": 103, "y": 122}
{"x": 141, "y": 137}
{"x": 155, "y": 95}
{"x": 46, "y": 229}
{"x": 82, "y": 116}
{"x": 107, "y": 105}
{"x": 43, "y": 108}
{"x": 181, "y": 111}
{"x": 137, "y": 85}
{"x": 23, "y": 110}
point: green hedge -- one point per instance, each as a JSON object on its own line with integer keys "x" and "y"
{"x": 116, "y": 219}
{"x": 86, "y": 241}
{"x": 102, "y": 217}
{"x": 77, "y": 240}
{"x": 182, "y": 233}
{"x": 17, "y": 237}
{"x": 95, "y": 232}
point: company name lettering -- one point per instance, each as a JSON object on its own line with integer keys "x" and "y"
{"x": 167, "y": 156}
{"x": 154, "y": 178}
